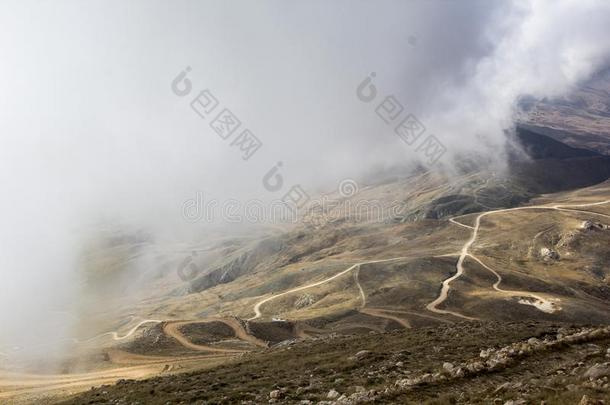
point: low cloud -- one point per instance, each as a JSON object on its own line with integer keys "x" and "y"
{"x": 93, "y": 133}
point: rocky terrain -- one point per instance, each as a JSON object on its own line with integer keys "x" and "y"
{"x": 464, "y": 363}
{"x": 482, "y": 287}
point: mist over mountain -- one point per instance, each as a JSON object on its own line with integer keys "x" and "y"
{"x": 124, "y": 125}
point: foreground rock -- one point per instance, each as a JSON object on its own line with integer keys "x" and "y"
{"x": 461, "y": 363}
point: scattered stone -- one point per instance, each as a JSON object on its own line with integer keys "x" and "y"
{"x": 585, "y": 400}
{"x": 332, "y": 394}
{"x": 362, "y": 354}
{"x": 276, "y": 394}
{"x": 598, "y": 371}
{"x": 502, "y": 387}
{"x": 499, "y": 359}
{"x": 549, "y": 254}
{"x": 590, "y": 225}
{"x": 458, "y": 372}
{"x": 304, "y": 300}
{"x": 475, "y": 366}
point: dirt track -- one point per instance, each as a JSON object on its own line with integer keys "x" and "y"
{"x": 173, "y": 329}
{"x": 134, "y": 366}
{"x": 540, "y": 303}
{"x": 14, "y": 384}
{"x": 115, "y": 335}
{"x": 257, "y": 306}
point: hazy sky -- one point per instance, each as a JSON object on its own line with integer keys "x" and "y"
{"x": 91, "y": 129}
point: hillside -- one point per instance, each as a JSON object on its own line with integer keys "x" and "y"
{"x": 465, "y": 363}
{"x": 477, "y": 260}
{"x": 580, "y": 119}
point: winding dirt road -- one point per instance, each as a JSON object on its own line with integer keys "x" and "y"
{"x": 25, "y": 386}
{"x": 172, "y": 329}
{"x": 115, "y": 335}
{"x": 540, "y": 303}
{"x": 257, "y": 306}
{"x": 376, "y": 312}
{"x": 13, "y": 384}
{"x": 380, "y": 313}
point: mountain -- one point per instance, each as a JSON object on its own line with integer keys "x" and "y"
{"x": 377, "y": 289}
{"x": 538, "y": 146}
{"x": 580, "y": 119}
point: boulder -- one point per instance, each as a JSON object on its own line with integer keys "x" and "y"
{"x": 276, "y": 394}
{"x": 549, "y": 254}
{"x": 598, "y": 371}
{"x": 590, "y": 225}
{"x": 362, "y": 354}
{"x": 333, "y": 394}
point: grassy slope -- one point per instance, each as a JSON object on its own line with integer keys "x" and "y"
{"x": 309, "y": 369}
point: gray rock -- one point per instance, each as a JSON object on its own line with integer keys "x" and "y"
{"x": 458, "y": 372}
{"x": 332, "y": 394}
{"x": 502, "y": 387}
{"x": 590, "y": 225}
{"x": 362, "y": 354}
{"x": 548, "y": 254}
{"x": 275, "y": 394}
{"x": 598, "y": 371}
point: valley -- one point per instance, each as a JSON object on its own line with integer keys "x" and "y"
{"x": 543, "y": 260}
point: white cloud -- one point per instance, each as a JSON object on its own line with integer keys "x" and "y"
{"x": 90, "y": 128}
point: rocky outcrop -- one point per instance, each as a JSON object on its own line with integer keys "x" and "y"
{"x": 491, "y": 360}
{"x": 549, "y": 255}
{"x": 598, "y": 371}
{"x": 304, "y": 300}
{"x": 242, "y": 264}
{"x": 591, "y": 225}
